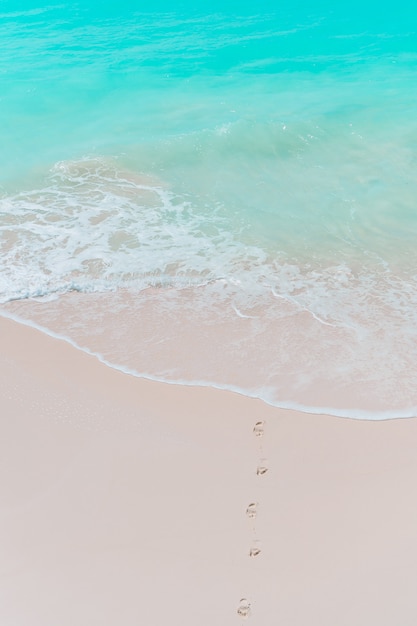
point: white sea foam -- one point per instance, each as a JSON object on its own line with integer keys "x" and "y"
{"x": 91, "y": 229}
{"x": 189, "y": 273}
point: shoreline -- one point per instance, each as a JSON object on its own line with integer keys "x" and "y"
{"x": 125, "y": 500}
{"x": 350, "y": 414}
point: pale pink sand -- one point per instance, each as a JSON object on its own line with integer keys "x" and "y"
{"x": 122, "y": 503}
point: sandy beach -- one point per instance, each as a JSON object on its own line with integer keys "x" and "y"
{"x": 126, "y": 502}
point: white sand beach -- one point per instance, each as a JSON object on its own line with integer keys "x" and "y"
{"x": 123, "y": 502}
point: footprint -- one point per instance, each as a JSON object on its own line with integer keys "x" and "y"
{"x": 261, "y": 470}
{"x": 258, "y": 429}
{"x": 251, "y": 510}
{"x": 253, "y": 552}
{"x": 243, "y": 608}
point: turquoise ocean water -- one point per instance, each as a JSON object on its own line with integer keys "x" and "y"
{"x": 222, "y": 194}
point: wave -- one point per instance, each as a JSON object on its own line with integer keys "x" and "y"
{"x": 169, "y": 288}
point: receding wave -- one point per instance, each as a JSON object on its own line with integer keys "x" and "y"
{"x": 94, "y": 227}
{"x": 158, "y": 285}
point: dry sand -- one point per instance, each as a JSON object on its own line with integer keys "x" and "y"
{"x": 123, "y": 503}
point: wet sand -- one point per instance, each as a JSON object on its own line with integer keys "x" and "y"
{"x": 126, "y": 502}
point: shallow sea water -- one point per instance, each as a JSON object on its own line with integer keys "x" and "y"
{"x": 222, "y": 195}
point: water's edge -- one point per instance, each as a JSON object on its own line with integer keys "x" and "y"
{"x": 348, "y": 414}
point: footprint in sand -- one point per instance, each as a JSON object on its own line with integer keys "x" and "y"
{"x": 261, "y": 469}
{"x": 243, "y": 608}
{"x": 258, "y": 429}
{"x": 251, "y": 510}
{"x": 254, "y": 552}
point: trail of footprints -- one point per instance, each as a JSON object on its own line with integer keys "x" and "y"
{"x": 244, "y": 608}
